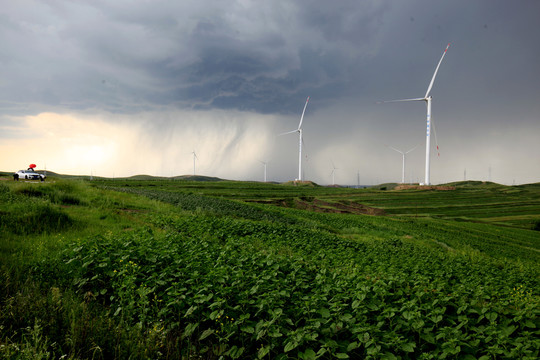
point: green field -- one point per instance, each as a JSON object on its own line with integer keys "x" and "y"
{"x": 169, "y": 269}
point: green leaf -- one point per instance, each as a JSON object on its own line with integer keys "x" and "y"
{"x": 235, "y": 352}
{"x": 290, "y": 345}
{"x": 352, "y": 346}
{"x": 248, "y": 329}
{"x": 206, "y": 333}
{"x": 190, "y": 311}
{"x": 261, "y": 334}
{"x": 325, "y": 313}
{"x": 408, "y": 315}
{"x": 408, "y": 347}
{"x": 491, "y": 316}
{"x": 309, "y": 354}
{"x": 215, "y": 314}
{"x": 507, "y": 331}
{"x": 263, "y": 351}
{"x": 190, "y": 328}
{"x": 278, "y": 312}
{"x": 342, "y": 356}
{"x": 275, "y": 333}
{"x": 530, "y": 324}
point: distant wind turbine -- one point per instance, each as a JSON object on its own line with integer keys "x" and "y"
{"x": 427, "y": 98}
{"x": 334, "y": 168}
{"x": 264, "y": 163}
{"x": 300, "y": 141}
{"x": 403, "y": 156}
{"x": 194, "y": 158}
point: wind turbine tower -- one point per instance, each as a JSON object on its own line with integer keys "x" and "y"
{"x": 427, "y": 98}
{"x": 194, "y": 158}
{"x": 264, "y": 163}
{"x": 403, "y": 166}
{"x": 334, "y": 168}
{"x": 300, "y": 140}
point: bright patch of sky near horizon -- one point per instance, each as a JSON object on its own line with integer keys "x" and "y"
{"x": 126, "y": 88}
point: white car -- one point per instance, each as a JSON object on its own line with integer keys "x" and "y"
{"x": 28, "y": 175}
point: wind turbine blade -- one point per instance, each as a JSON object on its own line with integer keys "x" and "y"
{"x": 437, "y": 69}
{"x": 389, "y": 101}
{"x": 399, "y": 151}
{"x": 412, "y": 148}
{"x": 288, "y": 132}
{"x": 302, "y": 118}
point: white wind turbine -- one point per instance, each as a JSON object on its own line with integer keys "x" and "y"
{"x": 300, "y": 140}
{"x": 194, "y": 158}
{"x": 427, "y": 98}
{"x": 264, "y": 163}
{"x": 403, "y": 155}
{"x": 334, "y": 168}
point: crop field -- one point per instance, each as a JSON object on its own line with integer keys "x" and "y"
{"x": 162, "y": 269}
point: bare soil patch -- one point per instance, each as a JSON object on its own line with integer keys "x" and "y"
{"x": 425, "y": 187}
{"x": 317, "y": 205}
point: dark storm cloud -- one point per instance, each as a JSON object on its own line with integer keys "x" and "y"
{"x": 126, "y": 56}
{"x": 122, "y": 56}
{"x": 270, "y": 72}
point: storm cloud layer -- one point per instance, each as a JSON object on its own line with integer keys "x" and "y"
{"x": 123, "y": 56}
{"x": 183, "y": 72}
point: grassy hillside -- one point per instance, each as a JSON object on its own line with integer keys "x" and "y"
{"x": 515, "y": 206}
{"x": 155, "y": 269}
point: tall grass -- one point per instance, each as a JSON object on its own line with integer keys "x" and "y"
{"x": 41, "y": 315}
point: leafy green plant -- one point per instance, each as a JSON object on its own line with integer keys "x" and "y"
{"x": 198, "y": 276}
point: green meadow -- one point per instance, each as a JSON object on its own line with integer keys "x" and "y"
{"x": 147, "y": 268}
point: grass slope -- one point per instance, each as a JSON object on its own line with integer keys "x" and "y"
{"x": 185, "y": 269}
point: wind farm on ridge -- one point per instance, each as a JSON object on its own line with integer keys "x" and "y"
{"x": 429, "y": 125}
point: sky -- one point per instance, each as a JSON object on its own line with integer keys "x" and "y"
{"x": 121, "y": 88}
